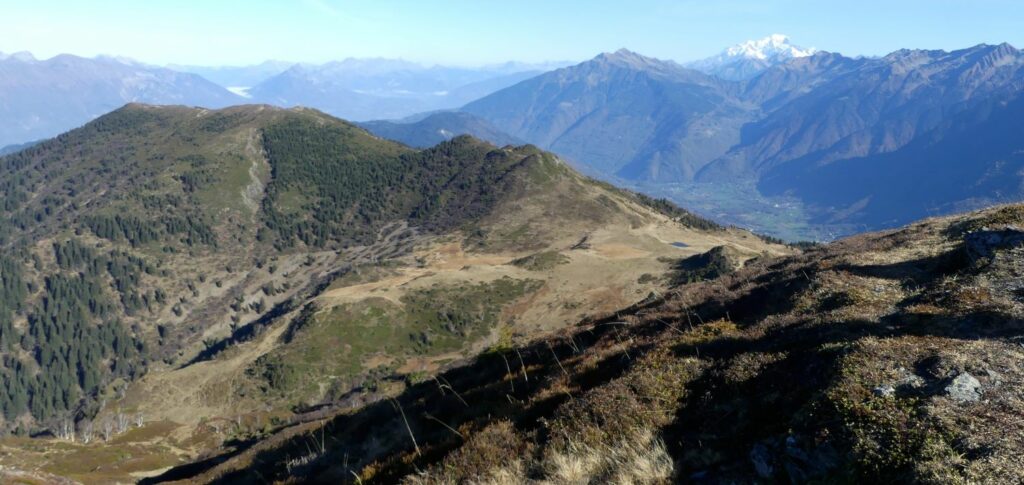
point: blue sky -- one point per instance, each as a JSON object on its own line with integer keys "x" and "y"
{"x": 473, "y": 32}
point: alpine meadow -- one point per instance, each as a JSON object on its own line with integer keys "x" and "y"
{"x": 459, "y": 243}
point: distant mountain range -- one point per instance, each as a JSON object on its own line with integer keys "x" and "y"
{"x": 822, "y": 138}
{"x": 622, "y": 112}
{"x": 9, "y": 149}
{"x": 237, "y": 78}
{"x": 41, "y": 98}
{"x": 851, "y": 139}
{"x": 368, "y": 89}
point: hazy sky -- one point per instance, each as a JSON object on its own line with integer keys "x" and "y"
{"x": 468, "y": 32}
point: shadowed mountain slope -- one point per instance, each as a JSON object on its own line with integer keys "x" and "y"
{"x": 887, "y": 356}
{"x": 622, "y": 113}
{"x": 809, "y": 134}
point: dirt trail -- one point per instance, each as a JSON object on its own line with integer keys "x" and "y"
{"x": 439, "y": 260}
{"x": 366, "y": 290}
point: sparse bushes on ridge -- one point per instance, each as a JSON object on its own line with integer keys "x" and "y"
{"x": 541, "y": 261}
{"x": 682, "y": 216}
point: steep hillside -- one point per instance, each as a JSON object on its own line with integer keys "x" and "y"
{"x": 169, "y": 271}
{"x": 931, "y": 174}
{"x": 881, "y": 105}
{"x": 622, "y": 113}
{"x": 42, "y": 98}
{"x": 125, "y": 243}
{"x": 438, "y": 127}
{"x": 780, "y": 148}
{"x": 786, "y": 81}
{"x": 889, "y": 357}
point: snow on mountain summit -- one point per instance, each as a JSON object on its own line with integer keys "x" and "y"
{"x": 745, "y": 60}
{"x": 775, "y": 46}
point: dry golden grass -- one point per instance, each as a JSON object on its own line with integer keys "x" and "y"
{"x": 829, "y": 366}
{"x": 640, "y": 458}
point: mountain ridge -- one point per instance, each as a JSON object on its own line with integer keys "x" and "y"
{"x": 374, "y": 89}
{"x": 43, "y": 98}
{"x": 617, "y": 118}
{"x": 201, "y": 259}
{"x": 769, "y": 132}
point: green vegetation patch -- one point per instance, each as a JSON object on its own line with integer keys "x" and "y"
{"x": 504, "y": 237}
{"x": 718, "y": 261}
{"x": 229, "y": 178}
{"x": 545, "y": 169}
{"x": 159, "y": 166}
{"x": 336, "y": 344}
{"x": 73, "y": 334}
{"x": 353, "y": 183}
{"x": 541, "y": 261}
{"x": 889, "y": 435}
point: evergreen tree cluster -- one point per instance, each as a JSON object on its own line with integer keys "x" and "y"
{"x": 113, "y": 177}
{"x": 193, "y": 228}
{"x": 15, "y": 188}
{"x": 122, "y": 228}
{"x": 73, "y": 337}
{"x": 353, "y": 184}
{"x": 125, "y": 270}
{"x": 12, "y": 299}
{"x": 200, "y": 176}
{"x": 138, "y": 232}
{"x": 681, "y": 215}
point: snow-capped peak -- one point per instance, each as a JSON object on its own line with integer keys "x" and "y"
{"x": 743, "y": 61}
{"x": 775, "y": 46}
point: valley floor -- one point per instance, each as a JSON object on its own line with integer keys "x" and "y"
{"x": 742, "y": 205}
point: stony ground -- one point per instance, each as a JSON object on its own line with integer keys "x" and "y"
{"x": 892, "y": 357}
